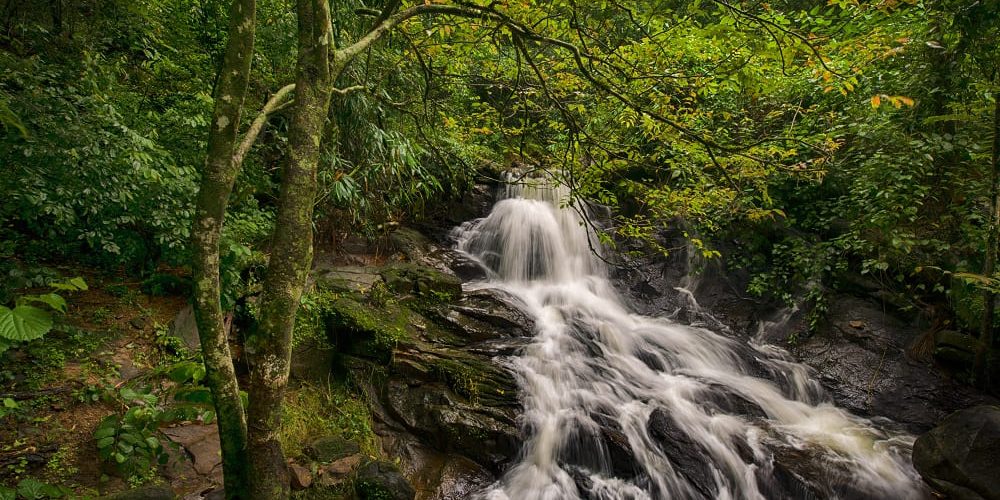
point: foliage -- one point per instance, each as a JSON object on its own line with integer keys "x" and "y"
{"x": 313, "y": 411}
{"x": 32, "y": 489}
{"x": 130, "y": 441}
{"x": 25, "y": 322}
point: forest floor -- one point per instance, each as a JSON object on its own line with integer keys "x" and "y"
{"x": 58, "y": 389}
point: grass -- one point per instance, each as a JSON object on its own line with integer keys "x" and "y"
{"x": 312, "y": 411}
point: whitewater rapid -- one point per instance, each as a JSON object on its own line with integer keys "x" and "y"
{"x": 700, "y": 415}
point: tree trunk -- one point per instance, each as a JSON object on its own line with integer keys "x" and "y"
{"x": 981, "y": 368}
{"x": 291, "y": 254}
{"x": 213, "y": 197}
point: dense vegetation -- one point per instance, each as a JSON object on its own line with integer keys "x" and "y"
{"x": 805, "y": 142}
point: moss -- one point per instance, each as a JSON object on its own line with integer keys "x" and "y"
{"x": 367, "y": 330}
{"x": 311, "y": 411}
{"x": 426, "y": 282}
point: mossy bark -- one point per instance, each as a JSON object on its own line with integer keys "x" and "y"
{"x": 269, "y": 347}
{"x": 216, "y": 185}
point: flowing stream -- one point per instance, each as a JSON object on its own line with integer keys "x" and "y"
{"x": 623, "y": 406}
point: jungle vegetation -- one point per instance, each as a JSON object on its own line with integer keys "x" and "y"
{"x": 802, "y": 141}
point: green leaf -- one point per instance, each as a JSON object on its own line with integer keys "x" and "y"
{"x": 51, "y": 299}
{"x": 24, "y": 323}
{"x": 104, "y": 432}
{"x": 8, "y": 493}
{"x": 31, "y": 489}
{"x": 105, "y": 442}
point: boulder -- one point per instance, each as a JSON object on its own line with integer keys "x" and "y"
{"x": 145, "y": 493}
{"x": 331, "y": 448}
{"x": 346, "y": 278}
{"x": 955, "y": 349}
{"x": 410, "y": 243}
{"x": 382, "y": 481}
{"x": 300, "y": 476}
{"x": 961, "y": 456}
{"x": 423, "y": 281}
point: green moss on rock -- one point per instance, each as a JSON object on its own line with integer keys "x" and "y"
{"x": 423, "y": 281}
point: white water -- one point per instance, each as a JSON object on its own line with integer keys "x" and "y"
{"x": 731, "y": 406}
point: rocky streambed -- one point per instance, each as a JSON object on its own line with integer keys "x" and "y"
{"x": 434, "y": 360}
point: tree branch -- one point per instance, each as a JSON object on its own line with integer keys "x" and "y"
{"x": 277, "y": 102}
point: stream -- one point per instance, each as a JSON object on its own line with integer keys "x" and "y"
{"x": 623, "y": 406}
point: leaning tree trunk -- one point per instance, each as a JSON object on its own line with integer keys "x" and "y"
{"x": 216, "y": 185}
{"x": 291, "y": 254}
{"x": 981, "y": 368}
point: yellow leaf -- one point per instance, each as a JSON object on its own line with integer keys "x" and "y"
{"x": 876, "y": 101}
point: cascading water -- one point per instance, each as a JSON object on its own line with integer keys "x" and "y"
{"x": 622, "y": 406}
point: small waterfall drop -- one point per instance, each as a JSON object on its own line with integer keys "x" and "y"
{"x": 623, "y": 406}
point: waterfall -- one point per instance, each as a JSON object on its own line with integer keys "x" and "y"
{"x": 623, "y": 406}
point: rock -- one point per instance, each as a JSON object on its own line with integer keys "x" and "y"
{"x": 367, "y": 330}
{"x": 346, "y": 278}
{"x": 382, "y": 481}
{"x": 867, "y": 370}
{"x": 409, "y": 278}
{"x": 410, "y": 243}
{"x": 955, "y": 349}
{"x": 340, "y": 468}
{"x": 139, "y": 322}
{"x": 959, "y": 457}
{"x": 201, "y": 443}
{"x": 300, "y": 476}
{"x": 311, "y": 361}
{"x": 145, "y": 493}
{"x": 184, "y": 327}
{"x": 330, "y": 448}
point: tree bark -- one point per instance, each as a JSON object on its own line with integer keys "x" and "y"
{"x": 213, "y": 198}
{"x": 986, "y": 340}
{"x": 291, "y": 254}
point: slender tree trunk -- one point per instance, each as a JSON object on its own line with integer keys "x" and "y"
{"x": 213, "y": 197}
{"x": 291, "y": 254}
{"x": 993, "y": 241}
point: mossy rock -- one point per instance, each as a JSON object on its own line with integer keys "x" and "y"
{"x": 367, "y": 330}
{"x": 348, "y": 279}
{"x": 382, "y": 481}
{"x": 145, "y": 493}
{"x": 423, "y": 281}
{"x": 330, "y": 448}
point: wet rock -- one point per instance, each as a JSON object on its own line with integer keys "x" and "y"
{"x": 867, "y": 370}
{"x": 300, "y": 476}
{"x": 145, "y": 493}
{"x": 443, "y": 476}
{"x": 686, "y": 455}
{"x": 959, "y": 456}
{"x": 410, "y": 243}
{"x": 430, "y": 411}
{"x": 955, "y": 349}
{"x": 409, "y": 278}
{"x": 331, "y": 448}
{"x": 382, "y": 481}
